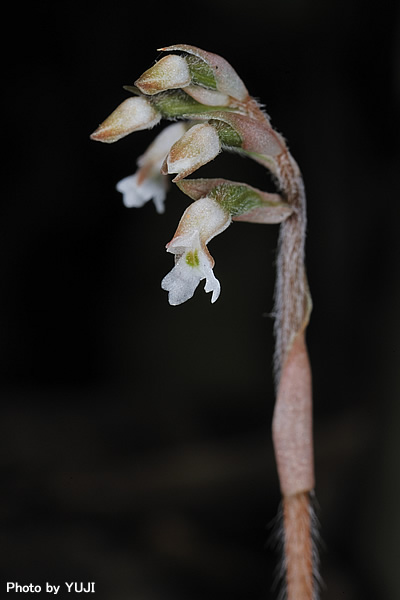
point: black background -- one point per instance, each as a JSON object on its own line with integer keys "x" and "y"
{"x": 135, "y": 437}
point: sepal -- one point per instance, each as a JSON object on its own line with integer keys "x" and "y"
{"x": 171, "y": 72}
{"x": 133, "y": 114}
{"x": 197, "y": 147}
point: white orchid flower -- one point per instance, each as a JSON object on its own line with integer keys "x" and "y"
{"x": 202, "y": 220}
{"x": 148, "y": 183}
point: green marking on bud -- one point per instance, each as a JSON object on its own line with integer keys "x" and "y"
{"x": 228, "y": 136}
{"x": 192, "y": 258}
{"x": 176, "y": 103}
{"x": 201, "y": 73}
{"x": 236, "y": 199}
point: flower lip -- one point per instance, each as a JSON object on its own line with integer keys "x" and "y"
{"x": 191, "y": 267}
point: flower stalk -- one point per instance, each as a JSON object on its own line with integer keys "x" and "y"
{"x": 204, "y": 91}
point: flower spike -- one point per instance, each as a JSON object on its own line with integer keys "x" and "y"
{"x": 203, "y": 90}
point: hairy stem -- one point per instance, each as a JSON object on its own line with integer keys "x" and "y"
{"x": 292, "y": 422}
{"x": 298, "y": 546}
{"x": 292, "y": 302}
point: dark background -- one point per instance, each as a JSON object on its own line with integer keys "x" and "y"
{"x": 135, "y": 437}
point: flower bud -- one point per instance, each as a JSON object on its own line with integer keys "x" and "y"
{"x": 197, "y": 147}
{"x": 133, "y": 114}
{"x": 171, "y": 72}
{"x": 212, "y": 71}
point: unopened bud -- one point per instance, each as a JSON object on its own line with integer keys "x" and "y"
{"x": 197, "y": 147}
{"x": 133, "y": 114}
{"x": 171, "y": 72}
{"x": 212, "y": 71}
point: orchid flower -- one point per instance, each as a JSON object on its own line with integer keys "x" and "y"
{"x": 148, "y": 183}
{"x": 201, "y": 221}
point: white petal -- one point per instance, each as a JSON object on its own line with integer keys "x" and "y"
{"x": 184, "y": 278}
{"x": 130, "y": 192}
{"x": 183, "y": 243}
{"x": 181, "y": 282}
{"x": 135, "y": 195}
{"x": 161, "y": 145}
{"x": 212, "y": 285}
{"x": 158, "y": 199}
